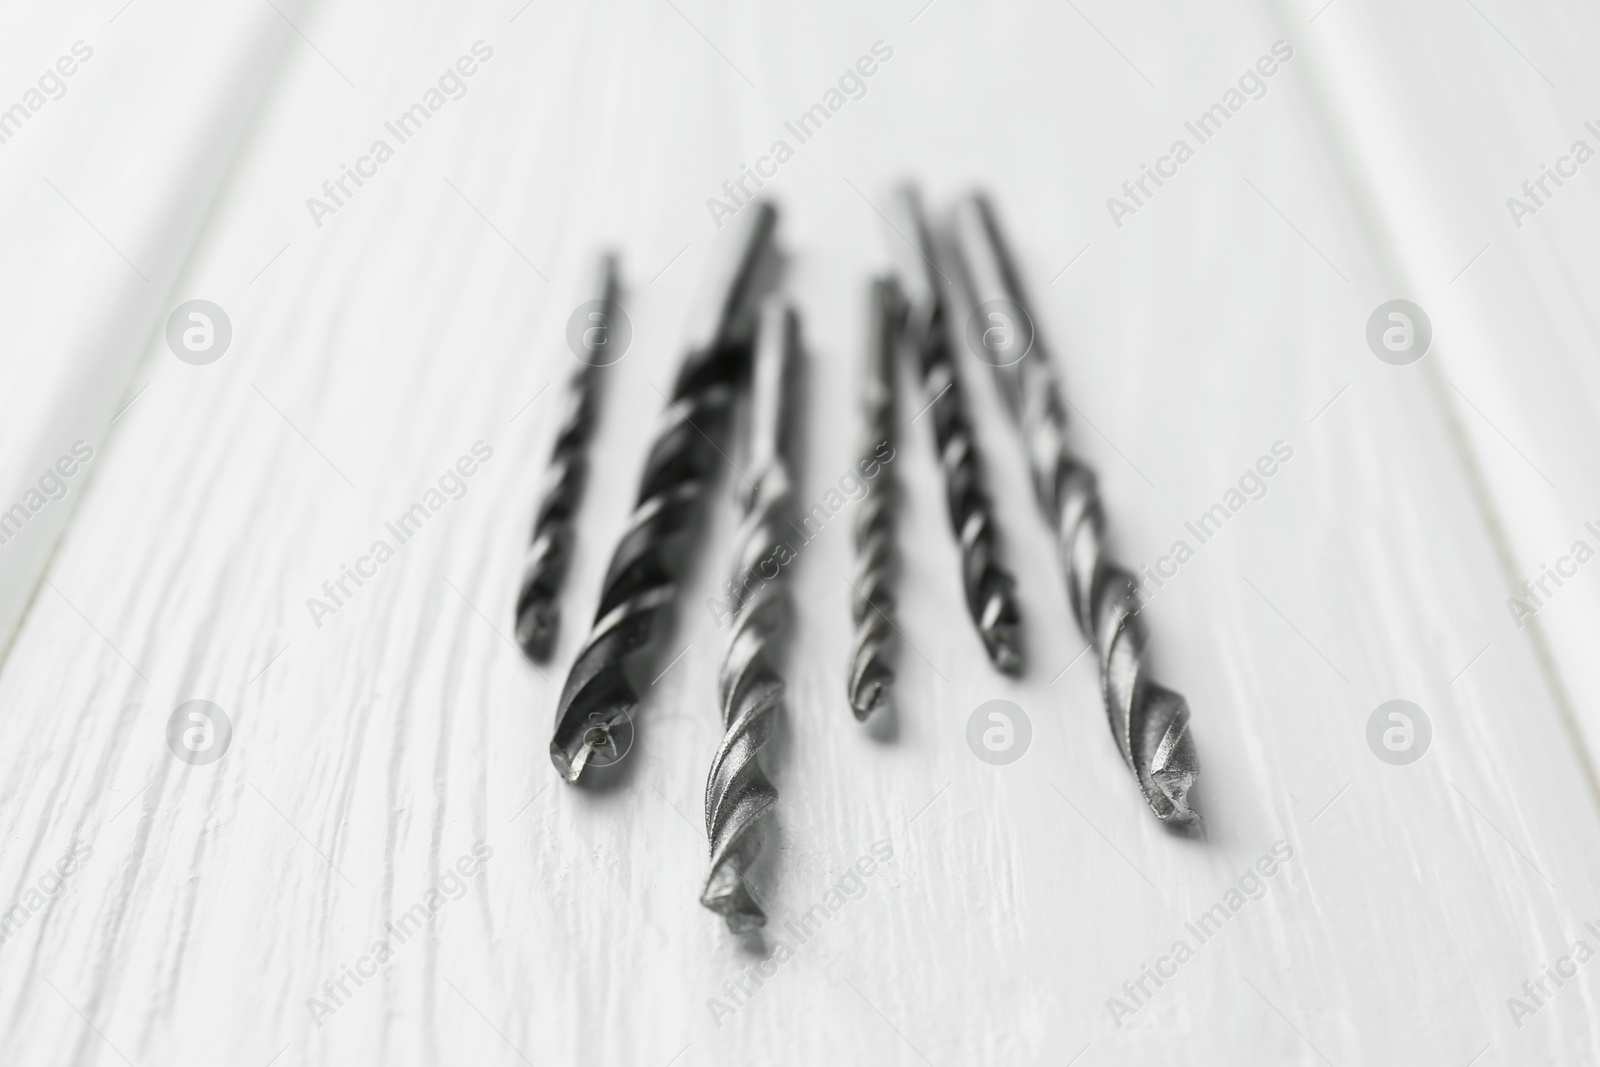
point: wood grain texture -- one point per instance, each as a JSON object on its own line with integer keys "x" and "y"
{"x": 117, "y": 137}
{"x": 372, "y": 752}
{"x": 1461, "y": 120}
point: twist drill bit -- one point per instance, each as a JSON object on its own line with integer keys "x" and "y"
{"x": 871, "y": 675}
{"x": 550, "y": 548}
{"x": 642, "y": 580}
{"x": 1150, "y": 723}
{"x": 738, "y": 792}
{"x": 989, "y": 586}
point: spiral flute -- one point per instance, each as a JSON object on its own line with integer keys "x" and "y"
{"x": 871, "y": 673}
{"x": 1150, "y": 723}
{"x": 544, "y": 571}
{"x": 641, "y": 583}
{"x": 988, "y": 585}
{"x": 738, "y": 792}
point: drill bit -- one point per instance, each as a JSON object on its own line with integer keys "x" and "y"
{"x": 1150, "y": 723}
{"x": 871, "y": 674}
{"x": 738, "y": 792}
{"x": 989, "y": 586}
{"x": 544, "y": 571}
{"x": 641, "y": 582}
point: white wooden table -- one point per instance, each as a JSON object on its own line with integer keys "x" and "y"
{"x": 208, "y": 913}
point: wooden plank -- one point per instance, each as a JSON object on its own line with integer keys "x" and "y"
{"x": 109, "y": 160}
{"x": 1493, "y": 101}
{"x": 371, "y": 753}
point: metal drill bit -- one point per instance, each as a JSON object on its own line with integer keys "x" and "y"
{"x": 871, "y": 676}
{"x": 1150, "y": 723}
{"x": 550, "y": 548}
{"x": 738, "y": 792}
{"x": 989, "y": 586}
{"x": 641, "y": 583}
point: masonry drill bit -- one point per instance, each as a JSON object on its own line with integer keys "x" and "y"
{"x": 989, "y": 586}
{"x": 871, "y": 676}
{"x": 1150, "y": 723}
{"x": 641, "y": 583}
{"x": 738, "y": 792}
{"x": 550, "y": 549}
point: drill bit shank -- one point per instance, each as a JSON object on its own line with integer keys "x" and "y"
{"x": 642, "y": 581}
{"x": 1150, "y": 723}
{"x": 738, "y": 792}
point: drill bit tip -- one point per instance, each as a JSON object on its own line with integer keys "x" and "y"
{"x": 601, "y": 745}
{"x": 537, "y": 626}
{"x": 870, "y": 699}
{"x": 1167, "y": 749}
{"x": 735, "y": 904}
{"x": 1004, "y": 649}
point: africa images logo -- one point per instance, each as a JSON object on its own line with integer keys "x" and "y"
{"x": 198, "y": 732}
{"x": 999, "y": 732}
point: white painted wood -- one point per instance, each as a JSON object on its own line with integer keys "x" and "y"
{"x": 1481, "y": 105}
{"x": 119, "y": 127}
{"x": 371, "y": 753}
